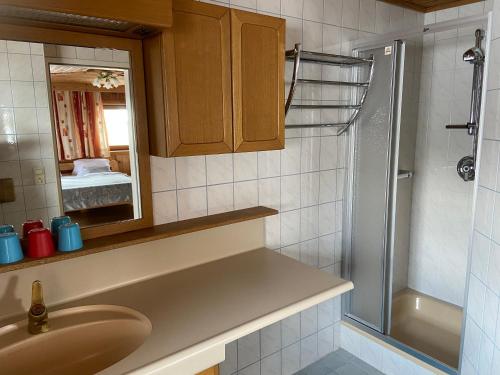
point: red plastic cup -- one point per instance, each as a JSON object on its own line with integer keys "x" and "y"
{"x": 40, "y": 243}
{"x": 29, "y": 225}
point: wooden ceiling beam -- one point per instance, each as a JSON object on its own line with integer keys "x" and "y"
{"x": 426, "y": 6}
{"x": 406, "y": 4}
{"x": 450, "y": 4}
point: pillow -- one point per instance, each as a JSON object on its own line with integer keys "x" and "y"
{"x": 85, "y": 171}
{"x": 86, "y": 166}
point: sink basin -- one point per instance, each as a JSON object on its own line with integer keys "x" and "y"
{"x": 80, "y": 340}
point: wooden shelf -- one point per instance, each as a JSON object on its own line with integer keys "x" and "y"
{"x": 157, "y": 232}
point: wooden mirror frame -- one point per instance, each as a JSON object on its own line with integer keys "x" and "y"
{"x": 134, "y": 47}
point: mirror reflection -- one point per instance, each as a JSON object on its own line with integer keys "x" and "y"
{"x": 92, "y": 127}
{"x": 67, "y": 138}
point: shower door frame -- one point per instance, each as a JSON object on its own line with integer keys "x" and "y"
{"x": 398, "y": 52}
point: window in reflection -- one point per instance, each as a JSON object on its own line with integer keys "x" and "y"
{"x": 117, "y": 125}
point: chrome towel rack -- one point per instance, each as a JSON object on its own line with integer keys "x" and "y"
{"x": 298, "y": 56}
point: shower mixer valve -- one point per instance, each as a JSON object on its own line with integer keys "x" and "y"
{"x": 466, "y": 168}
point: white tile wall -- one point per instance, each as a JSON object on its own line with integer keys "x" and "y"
{"x": 304, "y": 182}
{"x": 442, "y": 202}
{"x": 481, "y": 351}
{"x": 25, "y": 134}
{"x": 296, "y": 195}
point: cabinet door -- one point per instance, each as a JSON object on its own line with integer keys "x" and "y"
{"x": 198, "y": 80}
{"x": 258, "y": 62}
{"x": 211, "y": 371}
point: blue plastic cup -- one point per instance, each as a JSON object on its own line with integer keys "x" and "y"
{"x": 70, "y": 238}
{"x": 56, "y": 222}
{"x": 10, "y": 248}
{"x": 7, "y": 228}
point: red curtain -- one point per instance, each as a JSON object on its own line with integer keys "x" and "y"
{"x": 80, "y": 126}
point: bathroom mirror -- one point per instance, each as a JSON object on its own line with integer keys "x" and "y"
{"x": 73, "y": 132}
{"x": 95, "y": 141}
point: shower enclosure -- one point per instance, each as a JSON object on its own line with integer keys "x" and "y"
{"x": 393, "y": 160}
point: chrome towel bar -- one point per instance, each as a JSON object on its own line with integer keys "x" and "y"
{"x": 326, "y": 106}
{"x": 298, "y": 55}
{"x": 329, "y": 125}
{"x": 334, "y": 83}
{"x": 327, "y": 58}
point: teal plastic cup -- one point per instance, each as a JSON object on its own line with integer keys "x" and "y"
{"x": 70, "y": 238}
{"x": 10, "y": 248}
{"x": 7, "y": 228}
{"x": 56, "y": 222}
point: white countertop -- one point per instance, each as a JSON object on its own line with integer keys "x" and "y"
{"x": 196, "y": 311}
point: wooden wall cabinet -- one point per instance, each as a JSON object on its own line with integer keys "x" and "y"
{"x": 258, "y": 60}
{"x": 215, "y": 82}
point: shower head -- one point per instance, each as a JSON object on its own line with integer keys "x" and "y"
{"x": 475, "y": 54}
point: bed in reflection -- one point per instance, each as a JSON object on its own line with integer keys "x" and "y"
{"x": 95, "y": 190}
{"x": 90, "y": 187}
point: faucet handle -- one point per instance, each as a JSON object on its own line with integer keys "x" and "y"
{"x": 36, "y": 293}
{"x": 37, "y": 304}
{"x": 37, "y": 314}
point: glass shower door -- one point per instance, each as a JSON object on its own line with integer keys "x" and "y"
{"x": 368, "y": 240}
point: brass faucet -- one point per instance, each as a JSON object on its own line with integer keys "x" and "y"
{"x": 38, "y": 317}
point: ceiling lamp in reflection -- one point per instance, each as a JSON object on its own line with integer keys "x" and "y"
{"x": 108, "y": 80}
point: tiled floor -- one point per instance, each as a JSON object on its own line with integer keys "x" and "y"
{"x": 339, "y": 363}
